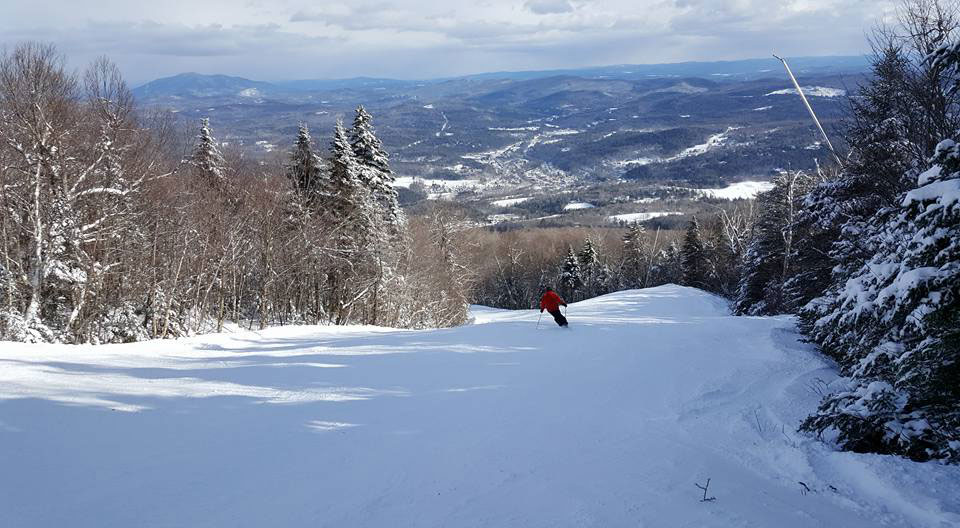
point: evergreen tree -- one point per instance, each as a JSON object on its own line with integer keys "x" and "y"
{"x": 667, "y": 267}
{"x": 767, "y": 263}
{"x": 305, "y": 168}
{"x": 352, "y": 218}
{"x": 635, "y": 258}
{"x": 835, "y": 213}
{"x": 694, "y": 261}
{"x": 588, "y": 257}
{"x": 349, "y": 202}
{"x": 893, "y": 327}
{"x": 207, "y": 159}
{"x": 571, "y": 277}
{"x": 596, "y": 275}
{"x": 376, "y": 175}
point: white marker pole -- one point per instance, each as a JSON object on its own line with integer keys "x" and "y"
{"x": 809, "y": 109}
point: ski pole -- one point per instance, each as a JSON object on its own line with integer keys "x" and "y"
{"x": 538, "y": 320}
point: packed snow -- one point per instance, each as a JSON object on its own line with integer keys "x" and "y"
{"x": 641, "y": 217}
{"x": 497, "y": 423}
{"x": 812, "y": 91}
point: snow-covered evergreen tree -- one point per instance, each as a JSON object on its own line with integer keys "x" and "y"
{"x": 570, "y": 280}
{"x": 595, "y": 274}
{"x": 350, "y": 203}
{"x": 376, "y": 175}
{"x": 833, "y": 216}
{"x": 893, "y": 326}
{"x": 667, "y": 266}
{"x": 352, "y": 219}
{"x": 695, "y": 264}
{"x": 305, "y": 168}
{"x": 206, "y": 158}
{"x": 767, "y": 263}
{"x": 635, "y": 258}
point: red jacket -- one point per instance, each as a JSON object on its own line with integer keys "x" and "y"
{"x": 551, "y": 302}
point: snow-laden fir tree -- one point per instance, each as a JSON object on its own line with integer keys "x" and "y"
{"x": 667, "y": 266}
{"x": 305, "y": 168}
{"x": 351, "y": 216}
{"x": 696, "y": 266}
{"x": 595, "y": 274}
{"x": 767, "y": 263}
{"x": 894, "y": 327}
{"x": 635, "y": 258}
{"x": 206, "y": 158}
{"x": 350, "y": 203}
{"x": 376, "y": 175}
{"x": 570, "y": 280}
{"x": 833, "y": 217}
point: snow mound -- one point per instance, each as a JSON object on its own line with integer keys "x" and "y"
{"x": 498, "y": 423}
{"x": 576, "y": 206}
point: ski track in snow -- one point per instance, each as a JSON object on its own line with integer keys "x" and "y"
{"x": 497, "y": 423}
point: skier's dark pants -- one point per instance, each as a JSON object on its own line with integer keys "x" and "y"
{"x": 558, "y": 317}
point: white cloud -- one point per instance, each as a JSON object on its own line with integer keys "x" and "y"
{"x": 548, "y": 7}
{"x": 406, "y": 38}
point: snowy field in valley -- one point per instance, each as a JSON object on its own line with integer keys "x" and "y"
{"x": 497, "y": 423}
{"x": 812, "y": 91}
{"x": 744, "y": 190}
{"x": 510, "y": 202}
{"x": 641, "y": 217}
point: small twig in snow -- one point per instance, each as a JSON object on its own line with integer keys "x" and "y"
{"x": 704, "y": 488}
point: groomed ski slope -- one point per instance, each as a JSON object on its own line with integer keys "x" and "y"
{"x": 494, "y": 424}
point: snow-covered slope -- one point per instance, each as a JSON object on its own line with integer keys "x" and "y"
{"x": 498, "y": 423}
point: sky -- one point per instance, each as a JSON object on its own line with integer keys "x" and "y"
{"x": 404, "y": 39}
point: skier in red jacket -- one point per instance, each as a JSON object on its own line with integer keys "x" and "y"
{"x": 552, "y": 302}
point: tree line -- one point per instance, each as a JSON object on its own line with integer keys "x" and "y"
{"x": 867, "y": 255}
{"x": 111, "y": 230}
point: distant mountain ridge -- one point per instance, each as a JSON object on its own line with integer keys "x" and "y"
{"x": 216, "y": 85}
{"x": 201, "y": 85}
